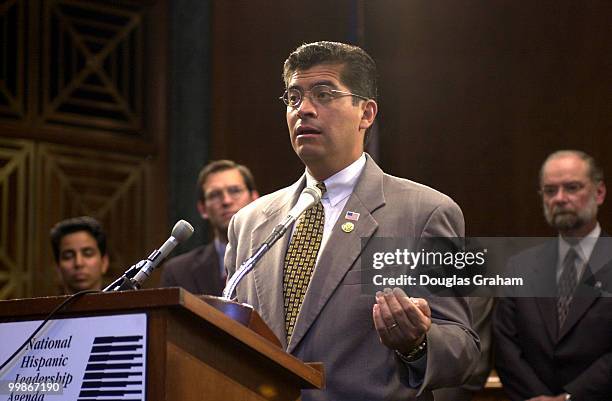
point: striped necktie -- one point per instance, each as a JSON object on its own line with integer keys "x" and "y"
{"x": 300, "y": 260}
{"x": 567, "y": 285}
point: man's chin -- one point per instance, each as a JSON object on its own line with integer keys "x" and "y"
{"x": 566, "y": 221}
{"x": 309, "y": 151}
{"x": 81, "y": 286}
{"x": 224, "y": 227}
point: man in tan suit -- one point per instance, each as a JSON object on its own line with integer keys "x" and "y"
{"x": 383, "y": 346}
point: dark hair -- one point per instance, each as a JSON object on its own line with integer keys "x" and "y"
{"x": 595, "y": 172}
{"x": 359, "y": 73}
{"x": 223, "y": 165}
{"x": 76, "y": 224}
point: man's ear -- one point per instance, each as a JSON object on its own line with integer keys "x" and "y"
{"x": 369, "y": 110}
{"x": 600, "y": 193}
{"x": 202, "y": 210}
{"x": 254, "y": 195}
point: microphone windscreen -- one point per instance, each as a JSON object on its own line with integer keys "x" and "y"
{"x": 182, "y": 230}
{"x": 313, "y": 191}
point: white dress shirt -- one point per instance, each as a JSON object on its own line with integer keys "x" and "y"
{"x": 584, "y": 249}
{"x": 339, "y": 188}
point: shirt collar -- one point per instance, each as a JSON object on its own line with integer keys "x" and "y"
{"x": 584, "y": 247}
{"x": 220, "y": 246}
{"x": 340, "y": 185}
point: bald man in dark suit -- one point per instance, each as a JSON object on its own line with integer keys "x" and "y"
{"x": 560, "y": 348}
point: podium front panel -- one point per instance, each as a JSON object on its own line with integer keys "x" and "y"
{"x": 80, "y": 358}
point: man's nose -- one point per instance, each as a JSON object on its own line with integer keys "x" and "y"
{"x": 560, "y": 196}
{"x": 227, "y": 198}
{"x": 307, "y": 107}
{"x": 79, "y": 260}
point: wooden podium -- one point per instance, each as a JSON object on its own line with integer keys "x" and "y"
{"x": 194, "y": 351}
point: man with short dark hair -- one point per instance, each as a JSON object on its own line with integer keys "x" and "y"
{"x": 383, "y": 346}
{"x": 79, "y": 248}
{"x": 558, "y": 349}
{"x": 223, "y": 187}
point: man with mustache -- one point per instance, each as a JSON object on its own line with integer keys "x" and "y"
{"x": 223, "y": 187}
{"x": 308, "y": 288}
{"x": 557, "y": 349}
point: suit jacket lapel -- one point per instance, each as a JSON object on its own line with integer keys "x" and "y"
{"x": 545, "y": 277}
{"x": 206, "y": 271}
{"x": 586, "y": 291}
{"x": 342, "y": 249}
{"x": 268, "y": 275}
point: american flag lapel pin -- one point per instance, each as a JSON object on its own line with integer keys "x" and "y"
{"x": 354, "y": 216}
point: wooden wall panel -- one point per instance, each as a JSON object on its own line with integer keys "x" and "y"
{"x": 110, "y": 187}
{"x": 83, "y": 102}
{"x": 13, "y": 14}
{"x": 17, "y": 180}
{"x": 91, "y": 69}
{"x": 92, "y": 56}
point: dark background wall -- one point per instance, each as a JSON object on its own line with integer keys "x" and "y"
{"x": 473, "y": 94}
{"x": 83, "y": 131}
{"x": 189, "y": 110}
{"x": 251, "y": 40}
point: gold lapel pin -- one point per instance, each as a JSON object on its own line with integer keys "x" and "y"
{"x": 348, "y": 227}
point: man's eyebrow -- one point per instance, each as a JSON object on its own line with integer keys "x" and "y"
{"x": 321, "y": 82}
{"x": 84, "y": 248}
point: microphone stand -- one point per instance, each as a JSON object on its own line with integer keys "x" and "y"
{"x": 245, "y": 267}
{"x": 250, "y": 263}
{"x": 125, "y": 281}
{"x": 133, "y": 278}
{"x": 308, "y": 197}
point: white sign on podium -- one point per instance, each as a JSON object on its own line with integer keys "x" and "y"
{"x": 85, "y": 358}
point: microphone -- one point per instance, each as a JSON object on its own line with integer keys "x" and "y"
{"x": 309, "y": 197}
{"x": 136, "y": 275}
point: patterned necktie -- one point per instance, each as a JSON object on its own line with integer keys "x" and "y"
{"x": 567, "y": 285}
{"x": 300, "y": 260}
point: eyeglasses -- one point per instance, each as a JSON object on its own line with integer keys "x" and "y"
{"x": 217, "y": 195}
{"x": 320, "y": 94}
{"x": 570, "y": 188}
